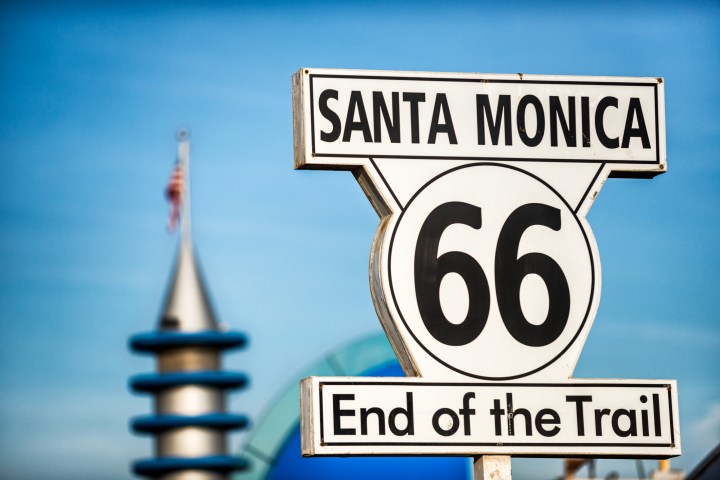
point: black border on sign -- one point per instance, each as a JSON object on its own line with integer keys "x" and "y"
{"x": 587, "y": 244}
{"x": 665, "y": 386}
{"x": 487, "y": 80}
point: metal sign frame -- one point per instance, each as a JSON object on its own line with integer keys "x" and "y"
{"x": 406, "y": 416}
{"x": 484, "y": 181}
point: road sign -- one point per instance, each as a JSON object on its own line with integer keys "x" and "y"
{"x": 492, "y": 286}
{"x": 483, "y": 267}
{"x": 346, "y": 114}
{"x": 360, "y": 416}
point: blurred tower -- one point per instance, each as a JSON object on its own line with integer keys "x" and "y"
{"x": 190, "y": 423}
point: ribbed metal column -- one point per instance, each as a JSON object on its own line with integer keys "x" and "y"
{"x": 190, "y": 422}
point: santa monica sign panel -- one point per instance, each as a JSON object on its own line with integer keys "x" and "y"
{"x": 389, "y": 114}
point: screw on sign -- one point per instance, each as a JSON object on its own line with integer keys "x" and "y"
{"x": 484, "y": 271}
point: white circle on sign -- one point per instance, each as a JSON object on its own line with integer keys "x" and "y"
{"x": 491, "y": 271}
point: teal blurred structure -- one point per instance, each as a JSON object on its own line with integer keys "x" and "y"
{"x": 273, "y": 449}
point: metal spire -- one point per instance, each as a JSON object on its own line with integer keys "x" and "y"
{"x": 189, "y": 422}
{"x": 187, "y": 304}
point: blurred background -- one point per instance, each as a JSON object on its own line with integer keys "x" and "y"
{"x": 91, "y": 95}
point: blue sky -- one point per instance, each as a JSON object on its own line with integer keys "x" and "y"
{"x": 91, "y": 97}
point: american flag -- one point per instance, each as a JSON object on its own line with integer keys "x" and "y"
{"x": 174, "y": 193}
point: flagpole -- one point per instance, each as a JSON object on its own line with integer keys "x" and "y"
{"x": 183, "y": 136}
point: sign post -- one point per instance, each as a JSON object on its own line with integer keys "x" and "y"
{"x": 484, "y": 272}
{"x": 492, "y": 467}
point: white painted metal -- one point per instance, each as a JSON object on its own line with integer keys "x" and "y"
{"x": 495, "y": 354}
{"x": 461, "y": 110}
{"x": 405, "y": 416}
{"x": 345, "y": 119}
{"x": 482, "y": 183}
{"x": 492, "y": 467}
{"x": 324, "y": 97}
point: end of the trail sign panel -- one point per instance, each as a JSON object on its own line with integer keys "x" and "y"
{"x": 402, "y": 416}
{"x": 484, "y": 268}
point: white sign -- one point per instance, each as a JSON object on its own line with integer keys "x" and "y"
{"x": 480, "y": 117}
{"x": 359, "y": 416}
{"x": 483, "y": 267}
{"x": 491, "y": 285}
